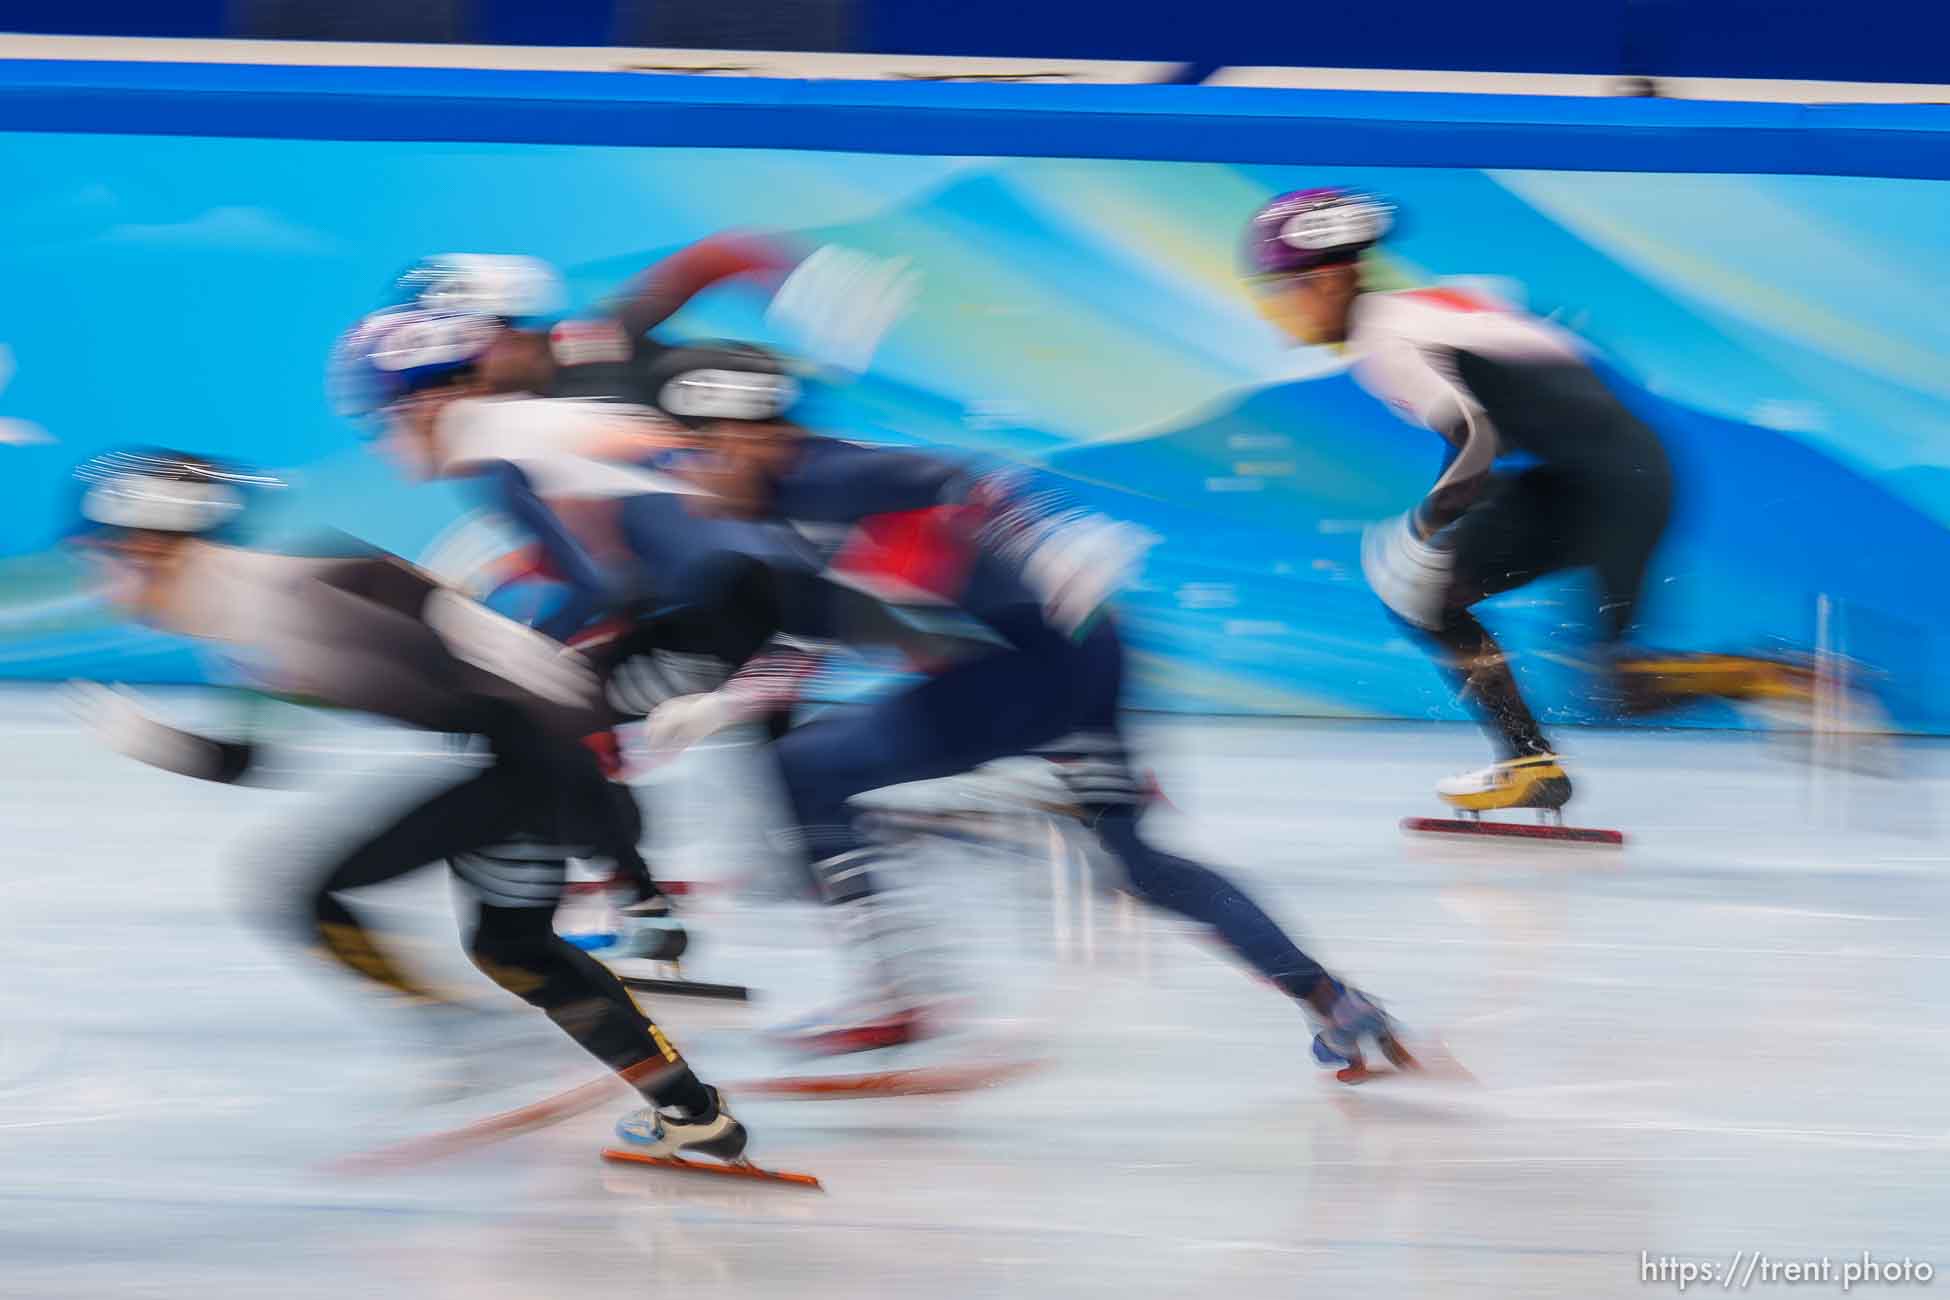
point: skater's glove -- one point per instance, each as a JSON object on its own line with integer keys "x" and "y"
{"x": 677, "y": 724}
{"x": 1410, "y": 575}
{"x": 538, "y": 664}
{"x": 114, "y": 714}
{"x": 839, "y": 303}
{"x": 1082, "y": 566}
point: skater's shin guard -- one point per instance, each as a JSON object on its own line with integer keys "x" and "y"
{"x": 1479, "y": 670}
{"x": 885, "y": 924}
{"x": 1202, "y": 894}
{"x": 517, "y": 949}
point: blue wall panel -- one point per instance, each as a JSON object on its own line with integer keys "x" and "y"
{"x": 181, "y": 245}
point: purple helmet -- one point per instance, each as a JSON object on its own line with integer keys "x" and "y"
{"x": 1307, "y": 229}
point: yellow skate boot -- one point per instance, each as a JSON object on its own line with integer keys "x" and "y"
{"x": 1533, "y": 781}
{"x": 1662, "y": 680}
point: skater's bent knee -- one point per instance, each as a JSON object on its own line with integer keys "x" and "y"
{"x": 520, "y": 967}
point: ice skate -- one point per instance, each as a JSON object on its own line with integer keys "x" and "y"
{"x": 1356, "y": 1019}
{"x": 668, "y": 1139}
{"x": 648, "y": 936}
{"x": 652, "y": 905}
{"x": 860, "y": 1027}
{"x": 660, "y": 1134}
{"x": 1770, "y": 684}
{"x": 1532, "y": 781}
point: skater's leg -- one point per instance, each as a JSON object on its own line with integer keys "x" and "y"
{"x": 1095, "y": 767}
{"x": 1002, "y": 704}
{"x": 1643, "y": 682}
{"x": 1201, "y": 894}
{"x": 1519, "y": 533}
{"x": 514, "y": 943}
{"x": 1479, "y": 670}
{"x": 518, "y": 886}
{"x": 618, "y": 839}
{"x": 423, "y": 835}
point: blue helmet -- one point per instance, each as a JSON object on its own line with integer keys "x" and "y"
{"x": 488, "y": 284}
{"x": 402, "y": 350}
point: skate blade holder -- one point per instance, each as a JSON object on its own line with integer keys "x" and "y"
{"x": 741, "y": 1169}
{"x": 669, "y": 980}
{"x": 1549, "y": 829}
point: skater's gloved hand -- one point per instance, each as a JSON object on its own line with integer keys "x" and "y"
{"x": 1410, "y": 575}
{"x": 114, "y": 714}
{"x": 677, "y": 724}
{"x": 1082, "y": 566}
{"x": 536, "y": 663}
{"x": 839, "y": 303}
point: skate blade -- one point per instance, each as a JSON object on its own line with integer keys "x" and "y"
{"x": 483, "y": 1132}
{"x": 1431, "y": 1062}
{"x": 852, "y": 1042}
{"x": 739, "y": 1170}
{"x": 682, "y": 988}
{"x": 921, "y": 1081}
{"x": 1471, "y": 828}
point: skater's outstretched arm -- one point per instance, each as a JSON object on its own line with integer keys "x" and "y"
{"x": 659, "y": 292}
{"x": 1421, "y": 385}
{"x": 130, "y": 729}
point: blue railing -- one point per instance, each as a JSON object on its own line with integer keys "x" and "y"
{"x": 1870, "y": 40}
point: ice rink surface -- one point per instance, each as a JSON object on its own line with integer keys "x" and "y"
{"x": 1731, "y": 1036}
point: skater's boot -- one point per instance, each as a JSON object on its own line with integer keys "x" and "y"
{"x": 1651, "y": 682}
{"x": 861, "y": 1027}
{"x": 1533, "y": 781}
{"x": 657, "y": 937}
{"x": 903, "y": 994}
{"x": 663, "y": 1133}
{"x": 653, "y": 903}
{"x": 1356, "y": 1018}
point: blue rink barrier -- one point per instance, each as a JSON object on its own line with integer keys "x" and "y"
{"x": 1182, "y": 123}
{"x": 182, "y": 243}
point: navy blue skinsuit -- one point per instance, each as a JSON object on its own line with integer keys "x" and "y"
{"x": 1037, "y": 689}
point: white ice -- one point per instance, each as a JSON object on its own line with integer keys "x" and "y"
{"x": 1731, "y": 1036}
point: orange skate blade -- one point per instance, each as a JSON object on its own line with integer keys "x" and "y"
{"x": 483, "y": 1132}
{"x": 1470, "y": 828}
{"x": 922, "y": 1081}
{"x": 1429, "y": 1062}
{"x": 723, "y": 1171}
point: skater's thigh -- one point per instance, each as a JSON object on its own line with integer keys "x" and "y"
{"x": 510, "y": 929}
{"x": 1621, "y": 547}
{"x": 1003, "y": 704}
{"x": 1093, "y": 752}
{"x": 1525, "y": 527}
{"x": 515, "y": 883}
{"x": 435, "y": 826}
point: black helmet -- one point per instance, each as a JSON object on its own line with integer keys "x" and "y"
{"x": 700, "y": 384}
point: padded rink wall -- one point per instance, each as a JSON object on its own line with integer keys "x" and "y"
{"x": 181, "y": 243}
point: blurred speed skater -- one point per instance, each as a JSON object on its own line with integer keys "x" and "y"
{"x": 1493, "y": 382}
